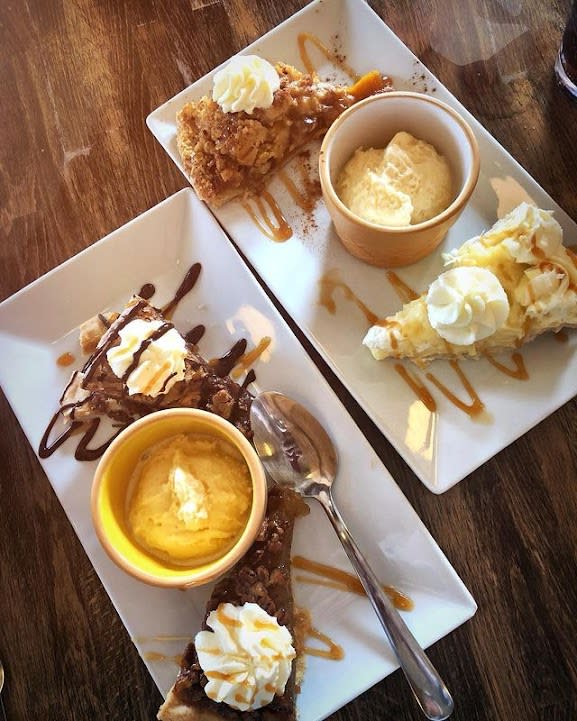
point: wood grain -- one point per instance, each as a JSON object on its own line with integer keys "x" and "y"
{"x": 77, "y": 80}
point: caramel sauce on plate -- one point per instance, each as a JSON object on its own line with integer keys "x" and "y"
{"x": 519, "y": 371}
{"x": 329, "y": 283}
{"x": 419, "y": 388}
{"x": 346, "y": 581}
{"x": 405, "y": 293}
{"x": 157, "y": 656}
{"x": 269, "y": 220}
{"x": 306, "y": 199}
{"x": 66, "y": 359}
{"x": 304, "y": 630}
{"x": 331, "y": 56}
{"x": 247, "y": 359}
{"x": 472, "y": 409}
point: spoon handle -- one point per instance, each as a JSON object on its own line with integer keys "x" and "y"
{"x": 428, "y": 687}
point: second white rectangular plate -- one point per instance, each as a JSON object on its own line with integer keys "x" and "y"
{"x": 441, "y": 447}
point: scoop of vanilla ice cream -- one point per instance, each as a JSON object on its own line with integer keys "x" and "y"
{"x": 406, "y": 183}
{"x": 161, "y": 363}
{"x": 191, "y": 498}
{"x": 246, "y": 657}
{"x": 466, "y": 304}
{"x": 245, "y": 83}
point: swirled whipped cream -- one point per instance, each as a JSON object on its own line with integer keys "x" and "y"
{"x": 160, "y": 361}
{"x": 466, "y": 304}
{"x": 246, "y": 83}
{"x": 246, "y": 657}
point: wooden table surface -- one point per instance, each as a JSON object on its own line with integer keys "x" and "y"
{"x": 77, "y": 79}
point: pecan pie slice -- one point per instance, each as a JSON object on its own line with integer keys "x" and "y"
{"x": 227, "y": 154}
{"x": 262, "y": 577}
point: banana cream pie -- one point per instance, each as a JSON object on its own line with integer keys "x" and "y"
{"x": 500, "y": 290}
{"x": 258, "y": 118}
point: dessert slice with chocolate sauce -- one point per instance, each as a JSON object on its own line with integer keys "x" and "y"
{"x": 251, "y": 614}
{"x": 141, "y": 364}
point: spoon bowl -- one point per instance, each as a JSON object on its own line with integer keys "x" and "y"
{"x": 296, "y": 452}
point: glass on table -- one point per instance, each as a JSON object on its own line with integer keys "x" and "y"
{"x": 566, "y": 63}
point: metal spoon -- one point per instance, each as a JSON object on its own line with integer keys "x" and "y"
{"x": 297, "y": 452}
{"x": 2, "y": 709}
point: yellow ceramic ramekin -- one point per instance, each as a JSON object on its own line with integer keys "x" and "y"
{"x": 110, "y": 490}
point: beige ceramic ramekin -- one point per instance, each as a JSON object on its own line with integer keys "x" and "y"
{"x": 111, "y": 486}
{"x": 372, "y": 123}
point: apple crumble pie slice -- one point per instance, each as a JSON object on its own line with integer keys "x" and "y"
{"x": 259, "y": 117}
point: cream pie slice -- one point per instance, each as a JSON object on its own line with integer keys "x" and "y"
{"x": 258, "y": 118}
{"x": 500, "y": 290}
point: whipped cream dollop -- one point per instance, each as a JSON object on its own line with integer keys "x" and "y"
{"x": 529, "y": 234}
{"x": 245, "y": 83}
{"x": 246, "y": 657}
{"x": 160, "y": 364}
{"x": 466, "y": 304}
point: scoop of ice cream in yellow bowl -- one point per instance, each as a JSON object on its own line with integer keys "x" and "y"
{"x": 397, "y": 170}
{"x": 178, "y": 498}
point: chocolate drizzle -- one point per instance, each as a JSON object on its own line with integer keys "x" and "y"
{"x": 147, "y": 291}
{"x": 45, "y": 450}
{"x": 250, "y": 378}
{"x": 83, "y": 453}
{"x": 108, "y": 339}
{"x": 185, "y": 287}
{"x": 195, "y": 334}
{"x": 158, "y": 333}
{"x": 222, "y": 366}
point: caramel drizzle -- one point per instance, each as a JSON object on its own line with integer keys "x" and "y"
{"x": 519, "y": 371}
{"x": 328, "y": 284}
{"x": 419, "y": 388}
{"x": 304, "y": 629}
{"x": 346, "y": 581}
{"x": 65, "y": 359}
{"x": 227, "y": 620}
{"x": 271, "y": 222}
{"x": 157, "y": 656}
{"x": 306, "y": 200}
{"x": 405, "y": 292}
{"x": 472, "y": 409}
{"x": 247, "y": 359}
{"x": 331, "y": 56}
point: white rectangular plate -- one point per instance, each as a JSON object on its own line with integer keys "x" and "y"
{"x": 444, "y": 446}
{"x": 158, "y": 247}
